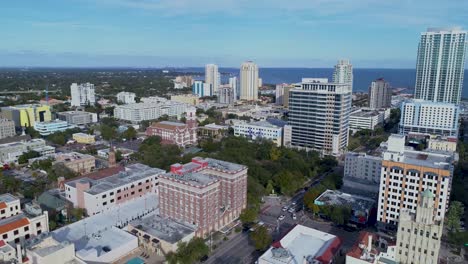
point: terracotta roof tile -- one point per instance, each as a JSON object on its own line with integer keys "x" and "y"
{"x": 14, "y": 225}
{"x": 3, "y": 205}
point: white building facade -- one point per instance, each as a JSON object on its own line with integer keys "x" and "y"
{"x": 380, "y": 94}
{"x": 343, "y": 73}
{"x": 126, "y": 97}
{"x": 212, "y": 77}
{"x": 258, "y": 130}
{"x": 202, "y": 89}
{"x": 148, "y": 111}
{"x": 434, "y": 118}
{"x": 82, "y": 94}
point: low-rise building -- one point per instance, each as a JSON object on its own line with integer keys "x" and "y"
{"x": 30, "y": 222}
{"x": 260, "y": 130}
{"x": 77, "y": 118}
{"x": 10, "y": 152}
{"x": 126, "y": 97}
{"x": 104, "y": 153}
{"x": 190, "y": 99}
{"x": 361, "y": 207}
{"x": 361, "y": 119}
{"x": 84, "y": 138}
{"x": 448, "y": 144}
{"x": 97, "y": 196}
{"x": 7, "y": 128}
{"x": 371, "y": 248}
{"x": 77, "y": 162}
{"x": 212, "y": 131}
{"x": 303, "y": 245}
{"x": 161, "y": 235}
{"x": 50, "y": 127}
{"x": 46, "y": 250}
{"x": 27, "y": 115}
{"x": 176, "y": 133}
{"x": 149, "y": 111}
{"x": 7, "y": 253}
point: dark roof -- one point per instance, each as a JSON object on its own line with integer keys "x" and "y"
{"x": 15, "y": 139}
{"x": 51, "y": 201}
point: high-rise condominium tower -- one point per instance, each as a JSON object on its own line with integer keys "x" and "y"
{"x": 319, "y": 115}
{"x": 249, "y": 81}
{"x": 440, "y": 65}
{"x": 82, "y": 94}
{"x": 212, "y": 77}
{"x": 343, "y": 73}
{"x": 380, "y": 94}
{"x": 235, "y": 87}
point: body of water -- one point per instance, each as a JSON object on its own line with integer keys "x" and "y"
{"x": 398, "y": 78}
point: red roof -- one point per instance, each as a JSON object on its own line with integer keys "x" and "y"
{"x": 356, "y": 251}
{"x": 2, "y": 243}
{"x": 330, "y": 252}
{"x": 3, "y": 205}
{"x": 100, "y": 174}
{"x": 14, "y": 225}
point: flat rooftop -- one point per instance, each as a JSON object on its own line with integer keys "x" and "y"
{"x": 431, "y": 159}
{"x": 224, "y": 165}
{"x": 365, "y": 114}
{"x": 71, "y": 156}
{"x": 333, "y": 197}
{"x": 167, "y": 229}
{"x": 213, "y": 126}
{"x": 131, "y": 174}
{"x": 8, "y": 198}
{"x": 192, "y": 178}
{"x": 100, "y": 233}
{"x": 303, "y": 243}
{"x": 74, "y": 113}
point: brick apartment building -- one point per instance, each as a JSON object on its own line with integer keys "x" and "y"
{"x": 176, "y": 133}
{"x": 206, "y": 192}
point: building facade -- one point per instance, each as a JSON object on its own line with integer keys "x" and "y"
{"x": 319, "y": 116}
{"x": 380, "y": 94}
{"x": 234, "y": 84}
{"x": 126, "y": 97}
{"x": 148, "y": 111}
{"x": 419, "y": 234}
{"x": 7, "y": 128}
{"x": 99, "y": 195}
{"x": 176, "y": 133}
{"x": 50, "y": 127}
{"x": 212, "y": 77}
{"x": 405, "y": 174}
{"x": 202, "y": 89}
{"x": 249, "y": 81}
{"x": 259, "y": 130}
{"x": 83, "y": 138}
{"x": 343, "y": 73}
{"x": 226, "y": 95}
{"x": 77, "y": 162}
{"x": 77, "y": 117}
{"x": 18, "y": 225}
{"x": 442, "y": 144}
{"x": 82, "y": 94}
{"x": 190, "y": 99}
{"x": 363, "y": 167}
{"x": 433, "y": 118}
{"x": 27, "y": 115}
{"x": 10, "y": 152}
{"x": 206, "y": 192}
{"x": 440, "y": 65}
{"x": 361, "y": 119}
{"x": 212, "y": 131}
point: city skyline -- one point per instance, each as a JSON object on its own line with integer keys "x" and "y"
{"x": 159, "y": 33}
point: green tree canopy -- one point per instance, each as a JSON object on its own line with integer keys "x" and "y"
{"x": 261, "y": 238}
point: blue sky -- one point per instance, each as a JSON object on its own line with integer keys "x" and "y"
{"x": 274, "y": 33}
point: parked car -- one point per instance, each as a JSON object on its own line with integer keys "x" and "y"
{"x": 292, "y": 210}
{"x": 284, "y": 209}
{"x": 281, "y": 217}
{"x": 294, "y": 216}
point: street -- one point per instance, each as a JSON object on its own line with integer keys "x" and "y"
{"x": 236, "y": 250}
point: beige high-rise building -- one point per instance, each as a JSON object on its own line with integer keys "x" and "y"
{"x": 249, "y": 81}
{"x": 418, "y": 237}
{"x": 212, "y": 77}
{"x": 380, "y": 94}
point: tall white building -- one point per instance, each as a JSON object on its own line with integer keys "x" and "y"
{"x": 212, "y": 77}
{"x": 233, "y": 83}
{"x": 434, "y": 118}
{"x": 279, "y": 93}
{"x": 319, "y": 115}
{"x": 82, "y": 94}
{"x": 380, "y": 94}
{"x": 249, "y": 81}
{"x": 405, "y": 174}
{"x": 149, "y": 111}
{"x": 202, "y": 89}
{"x": 419, "y": 235}
{"x": 126, "y": 97}
{"x": 440, "y": 65}
{"x": 343, "y": 73}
